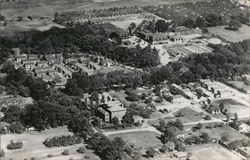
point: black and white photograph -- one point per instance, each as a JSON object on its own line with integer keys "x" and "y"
{"x": 124, "y": 79}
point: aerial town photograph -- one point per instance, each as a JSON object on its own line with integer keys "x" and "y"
{"x": 125, "y": 79}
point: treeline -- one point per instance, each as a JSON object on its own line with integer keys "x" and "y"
{"x": 82, "y": 83}
{"x": 217, "y": 12}
{"x": 224, "y": 62}
{"x": 91, "y": 38}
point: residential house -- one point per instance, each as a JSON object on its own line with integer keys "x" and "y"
{"x": 20, "y": 58}
{"x": 34, "y": 60}
{"x": 64, "y": 70}
{"x": 29, "y": 66}
{"x": 58, "y": 83}
{"x": 33, "y": 56}
{"x": 188, "y": 93}
{"x": 94, "y": 66}
{"x": 214, "y": 109}
{"x": 42, "y": 64}
{"x": 244, "y": 128}
{"x": 40, "y": 73}
{"x": 179, "y": 99}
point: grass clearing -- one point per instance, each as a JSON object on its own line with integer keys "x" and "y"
{"x": 141, "y": 139}
{"x": 218, "y": 131}
{"x": 33, "y": 145}
{"x": 232, "y": 36}
{"x": 233, "y": 106}
{"x": 212, "y": 152}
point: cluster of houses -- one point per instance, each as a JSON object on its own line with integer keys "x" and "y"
{"x": 54, "y": 69}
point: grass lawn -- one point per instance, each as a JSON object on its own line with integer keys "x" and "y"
{"x": 233, "y": 106}
{"x": 33, "y": 145}
{"x": 142, "y": 139}
{"x": 217, "y": 132}
{"x": 125, "y": 24}
{"x": 229, "y": 35}
{"x": 189, "y": 115}
{"x": 212, "y": 152}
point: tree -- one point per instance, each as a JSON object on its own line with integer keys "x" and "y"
{"x": 200, "y": 22}
{"x": 235, "y": 117}
{"x": 222, "y": 107}
{"x": 13, "y": 114}
{"x": 225, "y": 137}
{"x": 150, "y": 152}
{"x": 205, "y": 137}
{"x": 16, "y": 127}
{"x": 80, "y": 126}
{"x": 161, "y": 26}
{"x": 128, "y": 118}
{"x": 132, "y": 97}
{"x": 115, "y": 121}
{"x": 189, "y": 23}
{"x": 234, "y": 24}
{"x": 207, "y": 117}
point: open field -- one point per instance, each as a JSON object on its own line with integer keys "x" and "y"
{"x": 14, "y": 27}
{"x": 141, "y": 139}
{"x": 218, "y": 131}
{"x": 233, "y": 106}
{"x": 212, "y": 152}
{"x": 33, "y": 145}
{"x": 48, "y": 9}
{"x": 232, "y": 36}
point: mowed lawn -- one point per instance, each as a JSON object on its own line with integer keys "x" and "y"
{"x": 212, "y": 152}
{"x": 232, "y": 36}
{"x": 141, "y": 139}
{"x": 33, "y": 145}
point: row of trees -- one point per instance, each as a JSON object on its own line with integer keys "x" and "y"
{"x": 201, "y": 14}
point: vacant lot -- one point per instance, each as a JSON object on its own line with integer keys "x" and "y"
{"x": 212, "y": 152}
{"x": 33, "y": 145}
{"x": 142, "y": 139}
{"x": 232, "y": 36}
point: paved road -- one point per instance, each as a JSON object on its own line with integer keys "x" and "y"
{"x": 145, "y": 128}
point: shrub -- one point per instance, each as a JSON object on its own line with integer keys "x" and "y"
{"x": 16, "y": 127}
{"x": 65, "y": 152}
{"x": 62, "y": 141}
{"x": 207, "y": 117}
{"x": 15, "y": 145}
{"x": 49, "y": 155}
{"x": 81, "y": 150}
